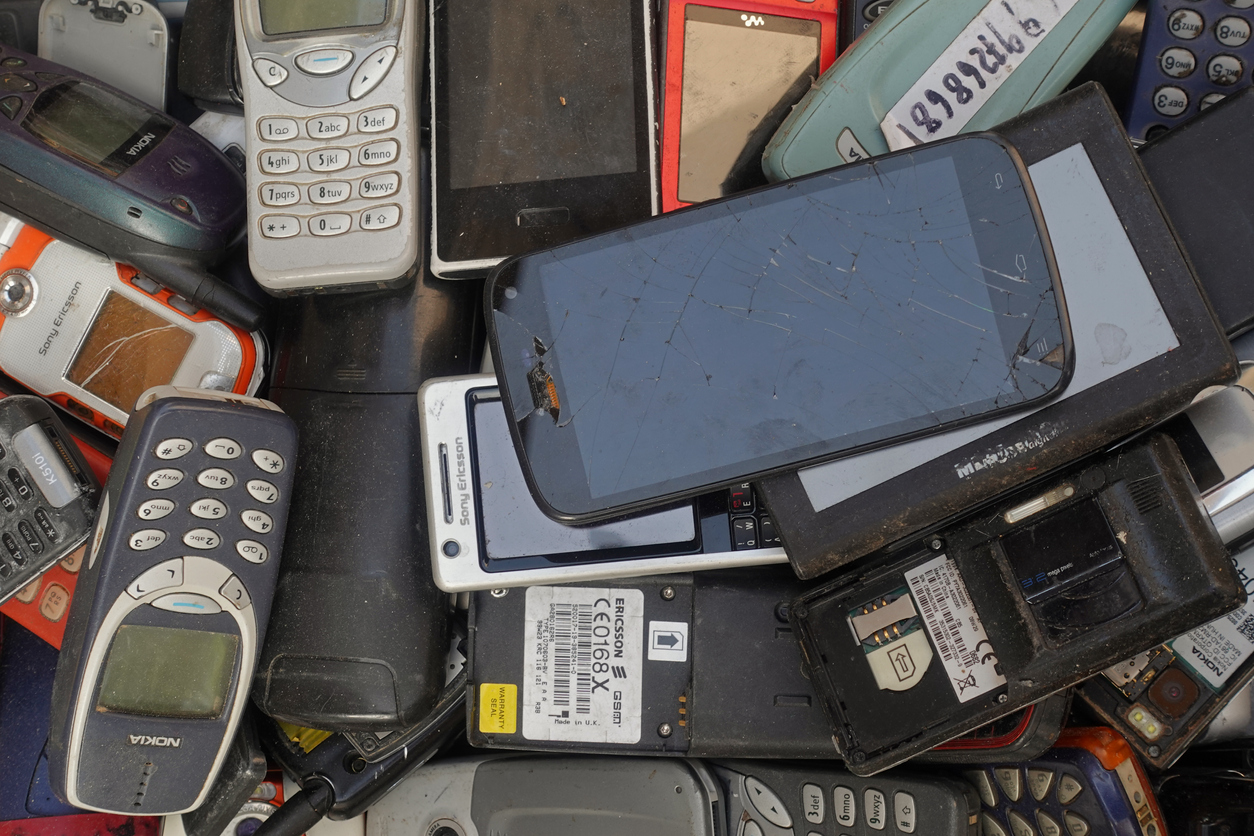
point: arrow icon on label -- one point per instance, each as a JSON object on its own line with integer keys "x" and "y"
{"x": 669, "y": 640}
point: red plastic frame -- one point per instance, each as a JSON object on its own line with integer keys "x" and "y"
{"x": 824, "y": 11}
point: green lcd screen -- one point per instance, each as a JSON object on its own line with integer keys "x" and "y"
{"x": 168, "y": 672}
{"x": 283, "y": 17}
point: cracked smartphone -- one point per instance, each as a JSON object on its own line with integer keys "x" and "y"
{"x": 789, "y": 325}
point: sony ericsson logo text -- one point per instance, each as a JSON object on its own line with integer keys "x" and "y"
{"x": 459, "y": 447}
{"x": 149, "y": 740}
{"x": 140, "y": 144}
{"x": 60, "y": 318}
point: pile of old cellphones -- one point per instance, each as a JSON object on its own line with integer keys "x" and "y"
{"x": 413, "y": 409}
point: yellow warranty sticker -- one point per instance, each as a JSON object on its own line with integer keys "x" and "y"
{"x": 498, "y": 708}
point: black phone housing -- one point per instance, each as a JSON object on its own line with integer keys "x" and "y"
{"x": 208, "y": 71}
{"x": 19, "y": 24}
{"x": 1076, "y": 425}
{"x": 1173, "y": 574}
{"x": 359, "y": 632}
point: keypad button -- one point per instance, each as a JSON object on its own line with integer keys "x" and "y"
{"x": 7, "y": 501}
{"x": 324, "y": 61}
{"x": 262, "y": 491}
{"x": 10, "y": 83}
{"x": 329, "y": 159}
{"x": 384, "y": 217}
{"x": 1010, "y": 781}
{"x": 741, "y": 498}
{"x": 1177, "y": 62}
{"x": 744, "y": 533}
{"x": 279, "y": 194}
{"x": 844, "y": 806}
{"x": 166, "y": 477}
{"x": 174, "y": 448}
{"x": 376, "y": 120}
{"x": 145, "y": 539}
{"x": 279, "y": 226}
{"x": 268, "y": 460}
{"x": 187, "y": 602}
{"x": 991, "y": 826}
{"x": 235, "y": 592}
{"x": 1048, "y": 824}
{"x": 1240, "y": 4}
{"x": 380, "y": 185}
{"x": 252, "y": 551}
{"x": 764, "y": 800}
{"x": 278, "y": 162}
{"x": 333, "y": 223}
{"x": 202, "y": 538}
{"x": 223, "y": 448}
{"x": 1020, "y": 826}
{"x": 873, "y": 808}
{"x": 19, "y": 484}
{"x": 31, "y": 537}
{"x": 45, "y": 525}
{"x": 15, "y": 551}
{"x": 371, "y": 72}
{"x": 1232, "y": 31}
{"x": 1069, "y": 789}
{"x": 1076, "y": 824}
{"x": 812, "y": 803}
{"x": 331, "y": 191}
{"x": 1039, "y": 782}
{"x": 768, "y": 537}
{"x": 258, "y": 521}
{"x": 1224, "y": 70}
{"x": 1170, "y": 101}
{"x": 216, "y": 478}
{"x": 208, "y": 509}
{"x": 1210, "y": 99}
{"x": 162, "y": 576}
{"x": 326, "y": 127}
{"x": 10, "y": 106}
{"x": 270, "y": 72}
{"x": 379, "y": 153}
{"x": 54, "y": 602}
{"x": 904, "y": 811}
{"x": 984, "y": 785}
{"x": 751, "y": 828}
{"x": 274, "y": 129}
{"x": 1185, "y": 23}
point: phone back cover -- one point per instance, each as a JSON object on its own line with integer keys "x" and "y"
{"x": 1142, "y": 353}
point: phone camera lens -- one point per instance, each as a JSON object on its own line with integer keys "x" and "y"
{"x": 451, "y": 548}
{"x": 17, "y": 292}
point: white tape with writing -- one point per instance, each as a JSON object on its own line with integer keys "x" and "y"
{"x": 955, "y": 628}
{"x": 970, "y": 70}
{"x": 582, "y": 651}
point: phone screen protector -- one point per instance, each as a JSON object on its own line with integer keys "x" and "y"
{"x": 813, "y": 318}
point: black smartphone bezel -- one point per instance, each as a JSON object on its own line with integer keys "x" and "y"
{"x": 462, "y": 219}
{"x": 494, "y": 290}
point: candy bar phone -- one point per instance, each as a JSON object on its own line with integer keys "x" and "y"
{"x": 1089, "y": 784}
{"x": 92, "y": 335}
{"x": 171, "y": 608}
{"x": 534, "y": 795}
{"x": 931, "y": 69}
{"x": 48, "y": 494}
{"x": 542, "y": 126}
{"x": 89, "y": 164}
{"x": 330, "y": 94}
{"x": 91, "y": 37}
{"x": 1193, "y": 54}
{"x": 730, "y": 74}
{"x": 792, "y": 354}
{"x": 486, "y": 531}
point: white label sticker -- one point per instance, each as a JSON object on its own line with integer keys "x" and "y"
{"x": 668, "y": 641}
{"x": 581, "y": 664}
{"x": 971, "y": 70}
{"x": 955, "y": 628}
{"x": 1214, "y": 651}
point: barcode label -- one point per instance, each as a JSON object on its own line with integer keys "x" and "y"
{"x": 971, "y": 70}
{"x": 955, "y": 628}
{"x": 1215, "y": 651}
{"x": 582, "y": 652}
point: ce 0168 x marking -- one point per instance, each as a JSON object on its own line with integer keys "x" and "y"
{"x": 971, "y": 70}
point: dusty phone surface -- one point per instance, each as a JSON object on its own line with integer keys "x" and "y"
{"x": 695, "y": 350}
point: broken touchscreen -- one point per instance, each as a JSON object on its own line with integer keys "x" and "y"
{"x": 792, "y": 324}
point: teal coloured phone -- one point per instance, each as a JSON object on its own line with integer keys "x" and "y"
{"x": 931, "y": 69}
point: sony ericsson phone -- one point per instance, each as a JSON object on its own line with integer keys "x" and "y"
{"x": 171, "y": 607}
{"x": 330, "y": 92}
{"x": 92, "y": 335}
{"x": 793, "y": 355}
{"x": 1047, "y": 587}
